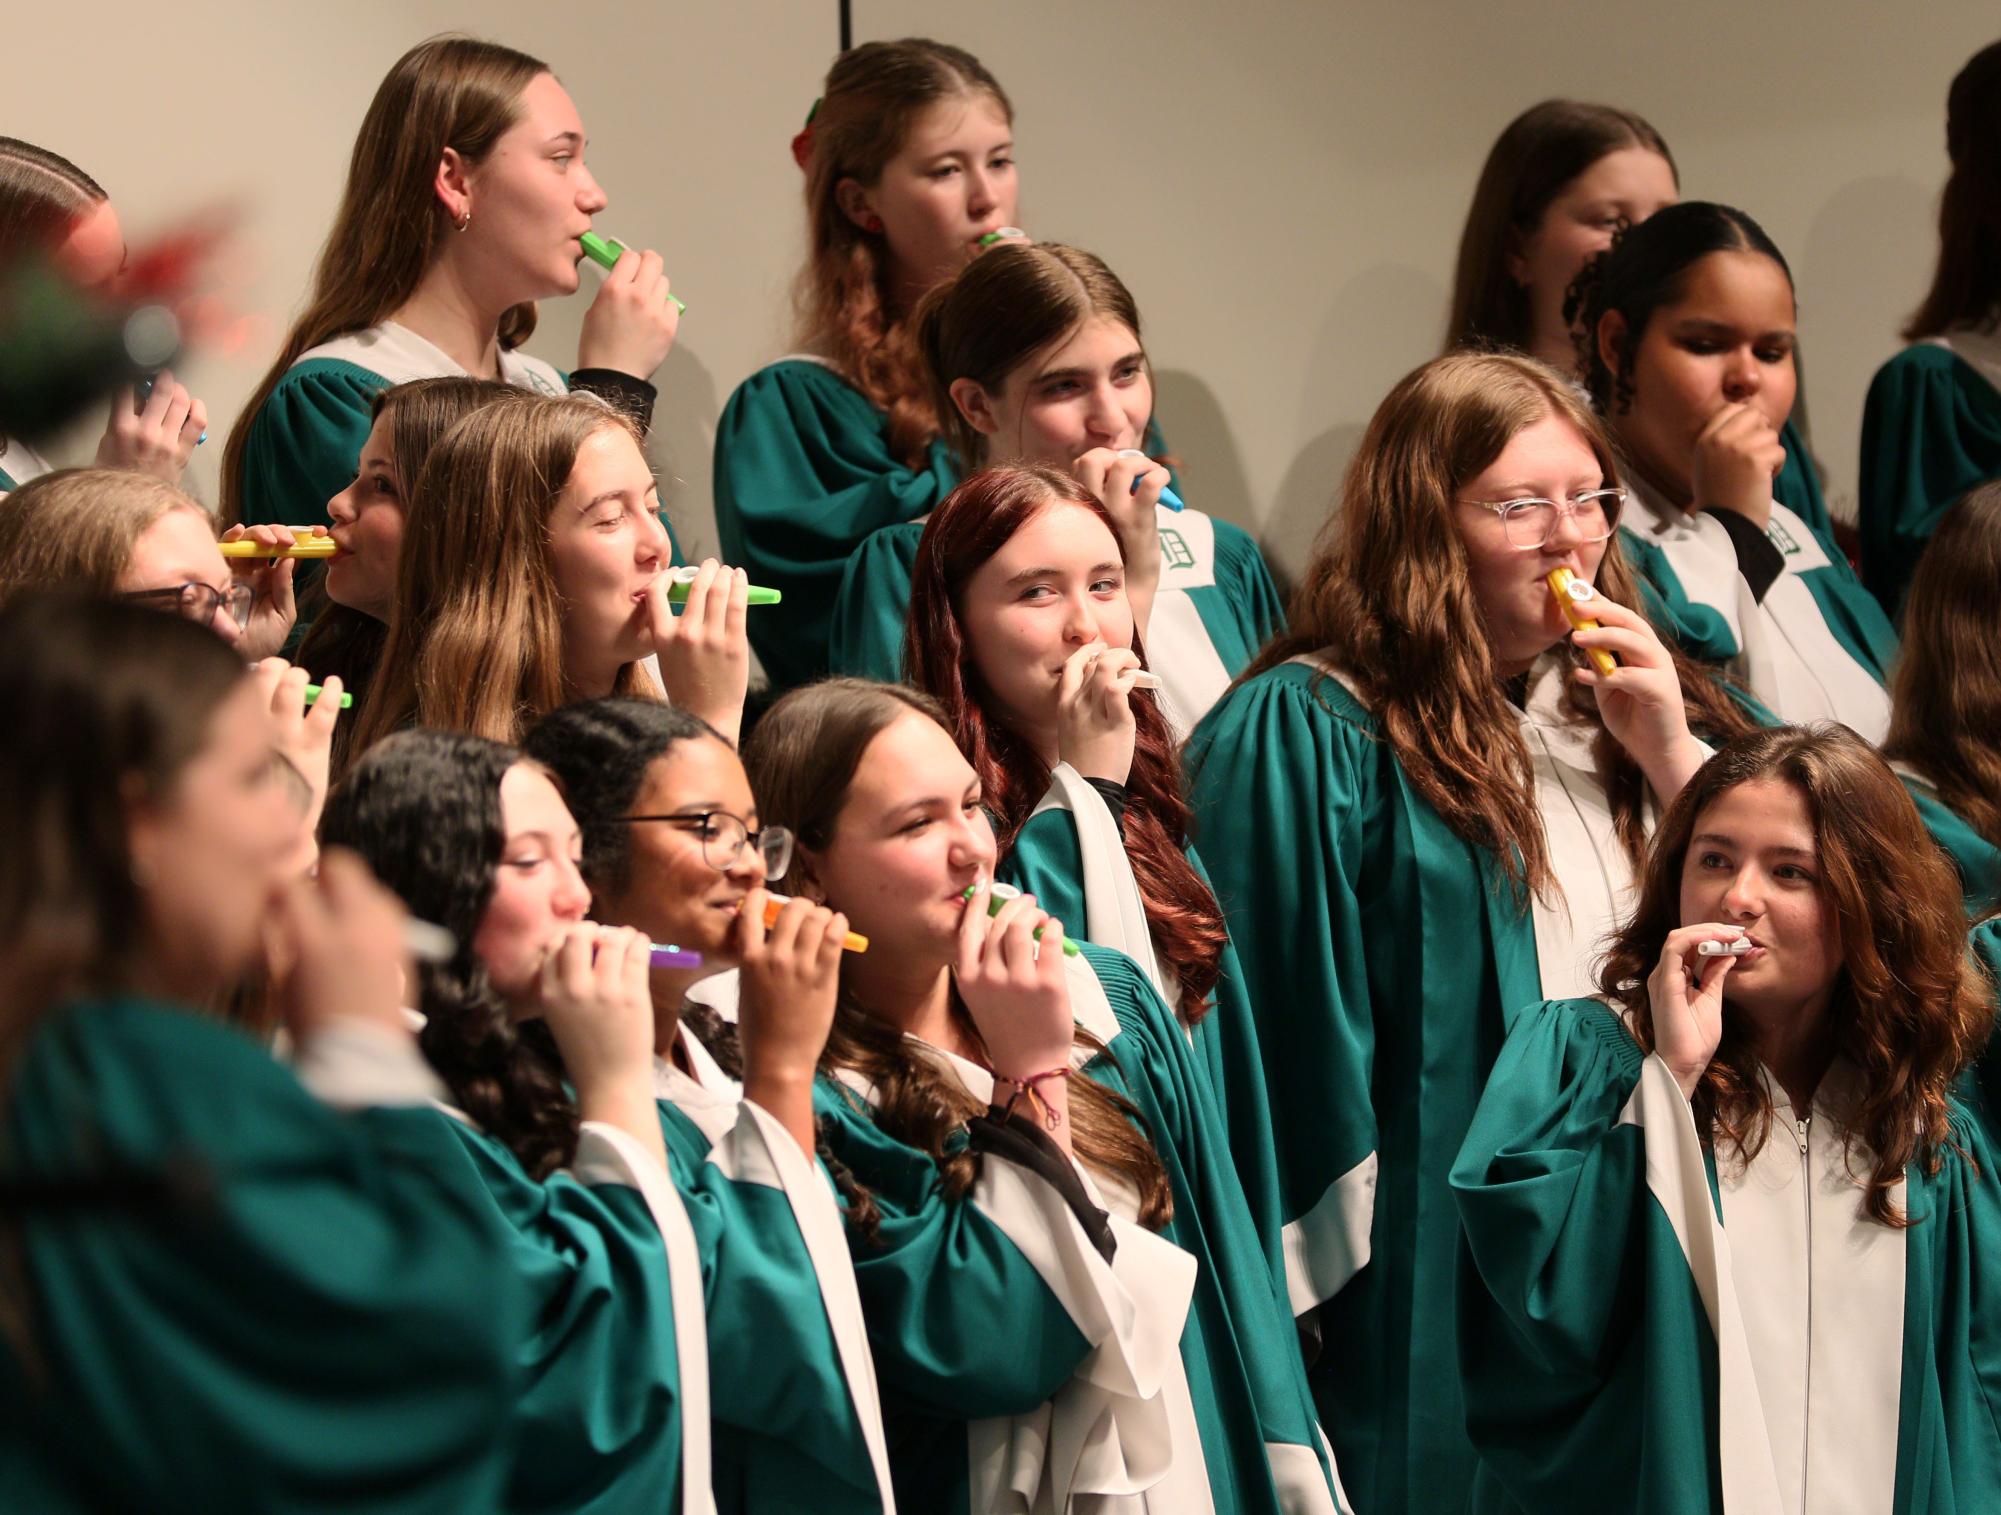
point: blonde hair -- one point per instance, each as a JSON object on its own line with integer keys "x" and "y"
{"x": 476, "y": 628}
{"x": 455, "y": 92}
{"x": 75, "y": 528}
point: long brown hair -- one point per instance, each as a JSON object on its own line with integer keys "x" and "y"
{"x": 845, "y": 307}
{"x": 454, "y": 92}
{"x": 1389, "y": 600}
{"x": 973, "y": 523}
{"x": 1006, "y": 306}
{"x": 1966, "y": 284}
{"x": 476, "y": 630}
{"x": 1945, "y": 694}
{"x": 802, "y": 758}
{"x": 76, "y": 527}
{"x": 1533, "y": 161}
{"x": 1910, "y": 1010}
{"x": 349, "y": 642}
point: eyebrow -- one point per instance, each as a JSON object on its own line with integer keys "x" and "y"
{"x": 1078, "y": 372}
{"x": 1049, "y": 572}
{"x": 1716, "y": 837}
{"x": 1699, "y": 324}
{"x": 575, "y": 138}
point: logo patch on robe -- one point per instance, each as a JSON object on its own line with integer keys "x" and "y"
{"x": 1174, "y": 551}
{"x": 1782, "y": 539}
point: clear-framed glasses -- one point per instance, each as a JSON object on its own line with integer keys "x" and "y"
{"x": 1529, "y": 521}
{"x": 199, "y": 602}
{"x": 724, "y": 835}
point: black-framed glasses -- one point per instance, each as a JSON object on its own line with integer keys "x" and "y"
{"x": 724, "y": 835}
{"x": 1529, "y": 521}
{"x": 199, "y": 602}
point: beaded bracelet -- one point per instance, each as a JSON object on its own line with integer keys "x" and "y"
{"x": 1051, "y": 1117}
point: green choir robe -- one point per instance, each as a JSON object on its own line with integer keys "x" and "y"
{"x": 1383, "y": 956}
{"x": 797, "y": 1421}
{"x": 316, "y": 1316}
{"x": 1818, "y": 647}
{"x": 1215, "y": 607}
{"x": 1931, "y": 430}
{"x": 1229, "y": 1427}
{"x": 803, "y": 473}
{"x": 1070, "y": 856}
{"x": 1648, "y": 1327}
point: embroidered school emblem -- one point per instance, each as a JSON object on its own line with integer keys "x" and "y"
{"x": 1782, "y": 539}
{"x": 1174, "y": 551}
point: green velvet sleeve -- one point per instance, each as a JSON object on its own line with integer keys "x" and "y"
{"x": 305, "y": 441}
{"x": 803, "y": 474}
{"x": 317, "y": 1316}
{"x": 1587, "y": 1361}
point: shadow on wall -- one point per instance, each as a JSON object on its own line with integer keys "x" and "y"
{"x": 1209, "y": 461}
{"x": 681, "y": 448}
{"x": 1868, "y": 249}
{"x": 1379, "y": 325}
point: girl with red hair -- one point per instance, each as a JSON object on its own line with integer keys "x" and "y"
{"x": 1021, "y": 627}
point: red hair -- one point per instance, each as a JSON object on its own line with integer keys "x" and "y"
{"x": 975, "y": 521}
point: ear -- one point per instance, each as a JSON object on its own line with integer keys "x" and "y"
{"x": 452, "y": 184}
{"x": 970, "y": 396}
{"x": 856, "y": 203}
{"x": 145, "y": 844}
{"x": 1611, "y": 332}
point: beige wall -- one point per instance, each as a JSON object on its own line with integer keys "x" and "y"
{"x": 1280, "y": 184}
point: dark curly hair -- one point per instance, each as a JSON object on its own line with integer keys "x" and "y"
{"x": 1644, "y": 269}
{"x": 423, "y": 808}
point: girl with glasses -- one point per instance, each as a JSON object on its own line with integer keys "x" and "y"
{"x": 1689, "y": 323}
{"x": 108, "y": 531}
{"x": 1421, "y": 813}
{"x": 671, "y": 847}
{"x": 1726, "y": 1217}
{"x": 542, "y": 1027}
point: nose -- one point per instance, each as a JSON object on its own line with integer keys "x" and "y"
{"x": 1080, "y": 620}
{"x": 224, "y": 625}
{"x": 1743, "y": 377}
{"x": 973, "y": 844}
{"x": 1564, "y": 533}
{"x": 1105, "y": 419}
{"x": 651, "y": 543}
{"x": 573, "y": 896}
{"x": 591, "y": 197}
{"x": 748, "y": 868}
{"x": 340, "y": 509}
{"x": 1744, "y": 900}
{"x": 981, "y": 193}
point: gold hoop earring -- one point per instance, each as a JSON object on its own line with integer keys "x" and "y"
{"x": 464, "y": 221}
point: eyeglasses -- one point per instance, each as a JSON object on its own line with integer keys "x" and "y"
{"x": 724, "y": 835}
{"x": 199, "y": 602}
{"x": 1529, "y": 521}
